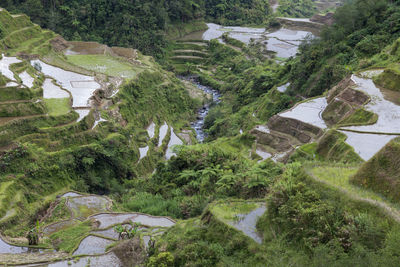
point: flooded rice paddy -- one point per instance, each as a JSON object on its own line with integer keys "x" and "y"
{"x": 97, "y": 121}
{"x": 174, "y": 141}
{"x": 107, "y": 260}
{"x": 247, "y": 223}
{"x": 367, "y": 145}
{"x": 143, "y": 152}
{"x": 263, "y": 154}
{"x": 309, "y": 112}
{"x": 82, "y": 113}
{"x": 283, "y": 88}
{"x": 93, "y": 245}
{"x": 387, "y": 111}
{"x": 109, "y": 219}
{"x": 151, "y": 130}
{"x": 50, "y": 90}
{"x": 80, "y": 86}
{"x": 5, "y": 63}
{"x": 7, "y": 248}
{"x": 162, "y": 133}
{"x": 284, "y": 41}
{"x": 27, "y": 79}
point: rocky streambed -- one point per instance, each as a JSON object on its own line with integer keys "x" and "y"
{"x": 198, "y": 125}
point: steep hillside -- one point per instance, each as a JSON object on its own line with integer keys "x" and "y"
{"x": 361, "y": 30}
{"x": 108, "y": 159}
{"x": 76, "y": 115}
{"x": 139, "y": 24}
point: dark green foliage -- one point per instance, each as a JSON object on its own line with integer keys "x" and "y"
{"x": 22, "y": 109}
{"x": 2, "y": 32}
{"x": 237, "y": 12}
{"x": 134, "y": 23}
{"x": 218, "y": 172}
{"x": 246, "y": 84}
{"x": 152, "y": 91}
{"x": 296, "y": 8}
{"x": 183, "y": 186}
{"x": 310, "y": 215}
{"x": 306, "y": 224}
{"x": 210, "y": 243}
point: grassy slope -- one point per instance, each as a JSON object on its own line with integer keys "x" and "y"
{"x": 382, "y": 173}
{"x": 106, "y": 64}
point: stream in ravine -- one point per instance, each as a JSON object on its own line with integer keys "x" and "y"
{"x": 198, "y": 125}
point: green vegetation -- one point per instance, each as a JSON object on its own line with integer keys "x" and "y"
{"x": 60, "y": 212}
{"x": 208, "y": 242}
{"x": 330, "y": 227}
{"x": 57, "y": 107}
{"x": 322, "y": 209}
{"x": 22, "y": 109}
{"x": 389, "y": 79}
{"x": 106, "y": 64}
{"x": 361, "y": 30}
{"x": 184, "y": 186}
{"x": 228, "y": 211}
{"x": 19, "y": 34}
{"x": 331, "y": 147}
{"x": 340, "y": 176}
{"x": 360, "y": 117}
{"x": 68, "y": 240}
{"x": 247, "y": 85}
{"x": 139, "y": 24}
{"x": 306, "y": 224}
{"x": 296, "y": 8}
{"x": 381, "y": 173}
{"x": 47, "y": 153}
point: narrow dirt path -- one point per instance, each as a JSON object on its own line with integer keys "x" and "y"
{"x": 394, "y": 213}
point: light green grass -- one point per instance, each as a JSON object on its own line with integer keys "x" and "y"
{"x": 106, "y": 64}
{"x": 230, "y": 210}
{"x": 339, "y": 177}
{"x": 3, "y": 191}
{"x": 68, "y": 239}
{"x": 58, "y": 106}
